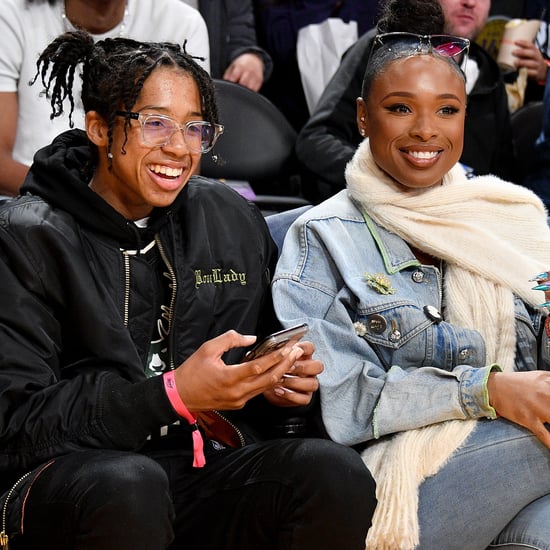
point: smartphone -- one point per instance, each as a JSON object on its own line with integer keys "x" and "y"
{"x": 276, "y": 340}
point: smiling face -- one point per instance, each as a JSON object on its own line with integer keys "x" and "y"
{"x": 147, "y": 176}
{"x": 414, "y": 117}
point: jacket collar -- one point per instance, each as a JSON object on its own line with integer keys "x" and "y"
{"x": 395, "y": 252}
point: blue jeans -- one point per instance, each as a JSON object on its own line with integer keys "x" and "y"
{"x": 494, "y": 492}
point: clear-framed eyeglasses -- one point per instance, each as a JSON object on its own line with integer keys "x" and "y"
{"x": 157, "y": 130}
{"x": 407, "y": 43}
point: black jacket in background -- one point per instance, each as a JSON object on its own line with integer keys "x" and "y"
{"x": 329, "y": 139}
{"x": 231, "y": 32}
{"x": 78, "y": 311}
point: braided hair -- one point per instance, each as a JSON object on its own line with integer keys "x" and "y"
{"x": 114, "y": 71}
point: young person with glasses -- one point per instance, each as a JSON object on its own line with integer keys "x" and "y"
{"x": 28, "y": 26}
{"x": 329, "y": 138}
{"x": 427, "y": 296}
{"x": 129, "y": 416}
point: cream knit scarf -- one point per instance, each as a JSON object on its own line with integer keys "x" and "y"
{"x": 493, "y": 236}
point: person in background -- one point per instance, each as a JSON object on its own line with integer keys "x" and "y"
{"x": 538, "y": 176}
{"x": 509, "y": 8}
{"x": 540, "y": 9}
{"x": 535, "y": 57}
{"x": 528, "y": 84}
{"x": 328, "y": 140}
{"x": 28, "y": 26}
{"x": 427, "y": 296}
{"x": 130, "y": 417}
{"x": 234, "y": 51}
{"x": 278, "y": 23}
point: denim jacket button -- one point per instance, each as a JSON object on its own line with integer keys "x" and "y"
{"x": 376, "y": 324}
{"x": 433, "y": 314}
{"x": 395, "y": 336}
{"x": 464, "y": 354}
{"x": 418, "y": 276}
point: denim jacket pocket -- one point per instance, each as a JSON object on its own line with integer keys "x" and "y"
{"x": 410, "y": 336}
{"x": 397, "y": 331}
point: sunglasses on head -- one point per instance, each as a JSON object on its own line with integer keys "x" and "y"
{"x": 407, "y": 43}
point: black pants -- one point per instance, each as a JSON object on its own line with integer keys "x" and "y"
{"x": 292, "y": 494}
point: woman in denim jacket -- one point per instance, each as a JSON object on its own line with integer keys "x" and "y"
{"x": 422, "y": 289}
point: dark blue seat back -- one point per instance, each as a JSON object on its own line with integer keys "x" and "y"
{"x": 279, "y": 223}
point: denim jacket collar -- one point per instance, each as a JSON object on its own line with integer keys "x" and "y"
{"x": 396, "y": 253}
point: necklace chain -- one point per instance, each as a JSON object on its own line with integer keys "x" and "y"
{"x": 68, "y": 26}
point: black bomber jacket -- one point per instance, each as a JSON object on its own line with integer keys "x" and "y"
{"x": 77, "y": 309}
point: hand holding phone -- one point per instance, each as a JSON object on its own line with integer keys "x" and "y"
{"x": 276, "y": 341}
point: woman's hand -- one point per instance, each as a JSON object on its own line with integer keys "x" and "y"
{"x": 297, "y": 387}
{"x": 543, "y": 283}
{"x": 523, "y": 398}
{"x": 204, "y": 382}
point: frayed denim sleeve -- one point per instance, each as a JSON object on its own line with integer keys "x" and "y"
{"x": 474, "y": 393}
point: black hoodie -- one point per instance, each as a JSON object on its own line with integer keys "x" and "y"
{"x": 78, "y": 311}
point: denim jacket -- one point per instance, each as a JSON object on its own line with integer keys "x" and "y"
{"x": 392, "y": 363}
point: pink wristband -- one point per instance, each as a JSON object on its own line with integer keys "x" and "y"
{"x": 175, "y": 400}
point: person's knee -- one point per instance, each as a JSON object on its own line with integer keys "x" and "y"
{"x": 337, "y": 472}
{"x": 332, "y": 485}
{"x": 332, "y": 458}
{"x": 127, "y": 485}
{"x": 106, "y": 499}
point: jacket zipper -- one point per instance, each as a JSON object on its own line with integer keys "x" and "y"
{"x": 4, "y": 539}
{"x": 126, "y": 257}
{"x": 440, "y": 283}
{"x": 240, "y": 435}
{"x": 127, "y": 273}
{"x": 172, "y": 303}
{"x": 172, "y": 274}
